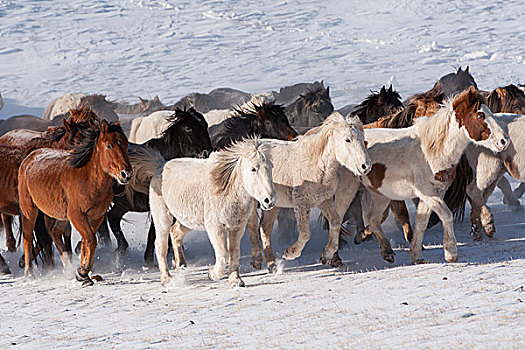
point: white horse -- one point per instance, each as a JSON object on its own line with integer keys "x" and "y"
{"x": 215, "y": 194}
{"x": 306, "y": 174}
{"x": 64, "y": 104}
{"x": 419, "y": 162}
{"x": 489, "y": 168}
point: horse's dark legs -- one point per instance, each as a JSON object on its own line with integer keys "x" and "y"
{"x": 4, "y": 269}
{"x": 150, "y": 246}
{"x": 103, "y": 234}
{"x": 10, "y": 240}
{"x": 114, "y": 216}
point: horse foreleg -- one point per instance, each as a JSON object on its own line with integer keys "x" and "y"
{"x": 378, "y": 205}
{"x": 252, "y": 226}
{"x": 329, "y": 210}
{"x": 422, "y": 217}
{"x": 103, "y": 234}
{"x": 28, "y": 224}
{"x": 114, "y": 217}
{"x": 177, "y": 233}
{"x": 266, "y": 227}
{"x": 436, "y": 204}
{"x": 234, "y": 252}
{"x": 4, "y": 268}
{"x": 217, "y": 236}
{"x": 7, "y": 221}
{"x": 400, "y": 213}
{"x": 303, "y": 224}
{"x": 508, "y": 194}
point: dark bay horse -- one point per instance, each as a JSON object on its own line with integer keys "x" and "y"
{"x": 266, "y": 119}
{"x": 310, "y": 109}
{"x": 187, "y": 136}
{"x": 73, "y": 185}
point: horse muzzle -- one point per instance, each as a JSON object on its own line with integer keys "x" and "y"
{"x": 268, "y": 202}
{"x": 125, "y": 176}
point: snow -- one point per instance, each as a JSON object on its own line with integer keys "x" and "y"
{"x": 129, "y": 48}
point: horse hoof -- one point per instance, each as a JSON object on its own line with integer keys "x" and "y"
{"x": 272, "y": 268}
{"x": 388, "y": 256}
{"x": 476, "y": 237}
{"x": 97, "y": 278}
{"x": 150, "y": 263}
{"x": 237, "y": 283}
{"x": 362, "y": 236}
{"x": 418, "y": 262}
{"x": 452, "y": 259}
{"x": 212, "y": 275}
{"x": 256, "y": 263}
{"x": 336, "y": 261}
{"x": 5, "y": 270}
{"x": 288, "y": 256}
{"x": 81, "y": 277}
{"x": 88, "y": 283}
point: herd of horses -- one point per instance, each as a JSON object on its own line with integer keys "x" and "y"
{"x": 211, "y": 161}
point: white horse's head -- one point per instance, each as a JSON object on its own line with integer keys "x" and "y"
{"x": 349, "y": 144}
{"x": 478, "y": 122}
{"x": 256, "y": 172}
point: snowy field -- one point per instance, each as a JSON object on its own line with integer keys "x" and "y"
{"x": 142, "y": 48}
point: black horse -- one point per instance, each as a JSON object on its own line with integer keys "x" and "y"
{"x": 266, "y": 119}
{"x": 377, "y": 105}
{"x": 187, "y": 136}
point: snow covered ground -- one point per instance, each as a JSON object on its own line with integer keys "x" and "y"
{"x": 142, "y": 48}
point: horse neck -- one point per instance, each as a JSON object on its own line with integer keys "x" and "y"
{"x": 324, "y": 164}
{"x": 168, "y": 151}
{"x": 237, "y": 197}
{"x": 444, "y": 153}
{"x": 96, "y": 175}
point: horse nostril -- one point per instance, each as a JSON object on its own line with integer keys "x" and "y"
{"x": 503, "y": 142}
{"x": 364, "y": 166}
{"x": 267, "y": 201}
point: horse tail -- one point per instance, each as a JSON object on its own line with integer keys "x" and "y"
{"x": 326, "y": 226}
{"x": 145, "y": 162}
{"x": 43, "y": 241}
{"x": 456, "y": 195}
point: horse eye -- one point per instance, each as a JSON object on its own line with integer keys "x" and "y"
{"x": 481, "y": 115}
{"x": 109, "y": 146}
{"x": 254, "y": 170}
{"x": 187, "y": 129}
{"x": 347, "y": 140}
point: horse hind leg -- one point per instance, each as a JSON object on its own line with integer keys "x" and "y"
{"x": 508, "y": 195}
{"x": 252, "y": 226}
{"x": 7, "y": 221}
{"x": 163, "y": 221}
{"x": 400, "y": 213}
{"x": 416, "y": 244}
{"x": 150, "y": 246}
{"x": 329, "y": 256}
{"x": 177, "y": 233}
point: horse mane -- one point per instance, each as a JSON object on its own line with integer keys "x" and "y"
{"x": 84, "y": 114}
{"x": 225, "y": 171}
{"x": 313, "y": 95}
{"x": 320, "y": 134}
{"x": 51, "y": 135}
{"x": 81, "y": 154}
{"x": 500, "y": 100}
{"x": 255, "y": 109}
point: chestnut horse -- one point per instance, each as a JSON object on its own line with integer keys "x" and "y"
{"x": 74, "y": 185}
{"x": 13, "y": 152}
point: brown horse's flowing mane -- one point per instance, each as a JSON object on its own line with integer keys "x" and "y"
{"x": 508, "y": 99}
{"x": 83, "y": 114}
{"x": 81, "y": 154}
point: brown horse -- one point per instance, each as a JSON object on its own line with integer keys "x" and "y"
{"x": 12, "y": 153}
{"x": 74, "y": 185}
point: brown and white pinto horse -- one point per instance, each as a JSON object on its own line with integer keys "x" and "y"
{"x": 74, "y": 185}
{"x": 419, "y": 162}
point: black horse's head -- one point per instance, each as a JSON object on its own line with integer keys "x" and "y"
{"x": 384, "y": 103}
{"x": 187, "y": 135}
{"x": 267, "y": 119}
{"x": 454, "y": 83}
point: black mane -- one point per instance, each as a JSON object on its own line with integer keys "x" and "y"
{"x": 81, "y": 154}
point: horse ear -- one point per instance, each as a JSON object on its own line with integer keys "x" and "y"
{"x": 382, "y": 91}
{"x": 390, "y": 88}
{"x": 328, "y": 91}
{"x": 143, "y": 102}
{"x": 156, "y": 98}
{"x": 116, "y": 122}
{"x": 103, "y": 126}
{"x": 466, "y": 69}
{"x": 459, "y": 70}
